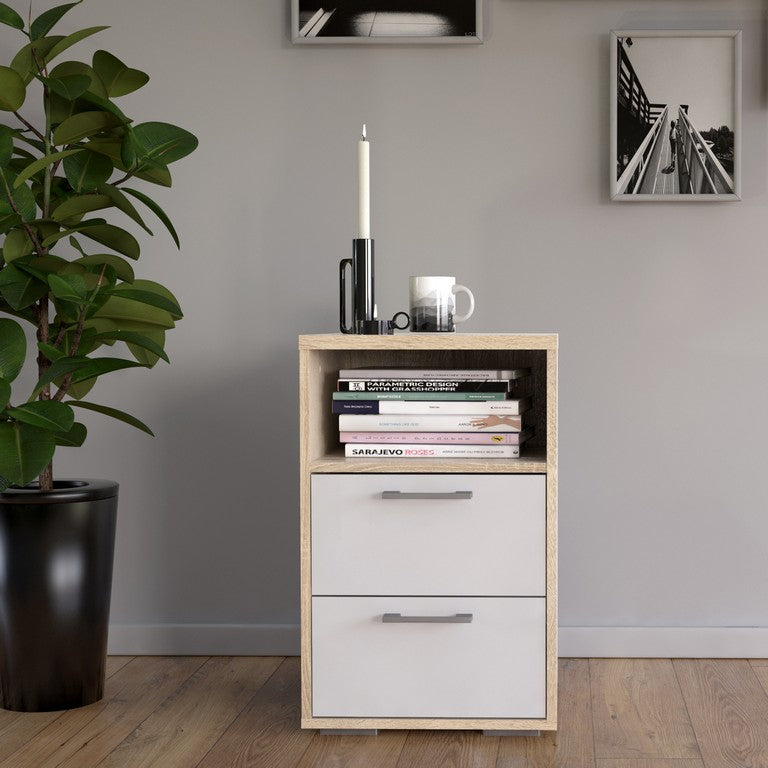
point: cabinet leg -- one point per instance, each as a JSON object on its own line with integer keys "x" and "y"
{"x": 511, "y": 733}
{"x": 349, "y": 731}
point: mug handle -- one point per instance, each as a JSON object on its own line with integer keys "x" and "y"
{"x": 461, "y": 318}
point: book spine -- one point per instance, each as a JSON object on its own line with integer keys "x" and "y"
{"x": 457, "y": 438}
{"x": 424, "y": 407}
{"x": 354, "y": 422}
{"x": 355, "y": 406}
{"x": 449, "y": 396}
{"x": 432, "y": 373}
{"x": 375, "y": 451}
{"x": 514, "y": 407}
{"x": 416, "y": 385}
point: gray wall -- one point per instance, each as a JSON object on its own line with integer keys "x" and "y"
{"x": 488, "y": 162}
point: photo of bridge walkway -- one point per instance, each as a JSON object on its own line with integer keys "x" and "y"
{"x": 645, "y": 163}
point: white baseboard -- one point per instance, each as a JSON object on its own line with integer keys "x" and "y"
{"x": 283, "y": 640}
{"x": 664, "y": 642}
{"x": 204, "y": 639}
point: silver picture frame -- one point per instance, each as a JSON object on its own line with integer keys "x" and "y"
{"x": 377, "y": 22}
{"x": 675, "y": 111}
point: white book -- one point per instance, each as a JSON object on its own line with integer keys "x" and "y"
{"x": 367, "y": 422}
{"x": 461, "y": 407}
{"x": 473, "y": 374}
{"x": 385, "y": 451}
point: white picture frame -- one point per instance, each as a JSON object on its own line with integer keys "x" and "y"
{"x": 675, "y": 132}
{"x": 366, "y": 22}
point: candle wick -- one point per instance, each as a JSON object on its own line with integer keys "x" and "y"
{"x": 365, "y": 133}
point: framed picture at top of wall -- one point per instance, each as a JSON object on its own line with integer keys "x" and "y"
{"x": 675, "y": 115}
{"x": 386, "y": 21}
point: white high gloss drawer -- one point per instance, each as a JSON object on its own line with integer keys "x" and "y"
{"x": 450, "y": 534}
{"x": 428, "y": 657}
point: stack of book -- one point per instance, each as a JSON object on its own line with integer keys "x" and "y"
{"x": 418, "y": 413}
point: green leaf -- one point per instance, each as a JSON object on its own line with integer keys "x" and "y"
{"x": 151, "y": 298}
{"x": 20, "y": 289}
{"x": 157, "y": 210}
{"x": 72, "y": 68}
{"x": 120, "y": 201}
{"x": 16, "y": 245}
{"x": 25, "y": 451}
{"x": 56, "y": 236}
{"x": 106, "y": 234}
{"x": 69, "y": 87}
{"x": 13, "y": 348}
{"x": 132, "y": 315}
{"x": 23, "y": 199}
{"x": 41, "y": 163}
{"x": 6, "y": 144}
{"x": 141, "y": 340}
{"x": 87, "y": 170}
{"x": 122, "y": 268}
{"x": 70, "y": 40}
{"x": 77, "y": 205}
{"x": 45, "y": 414}
{"x": 116, "y": 76}
{"x": 13, "y": 90}
{"x": 68, "y": 288}
{"x": 115, "y": 414}
{"x": 46, "y": 21}
{"x": 80, "y": 390}
{"x": 10, "y": 17}
{"x": 75, "y": 437}
{"x": 163, "y": 142}
{"x": 84, "y": 124}
{"x": 114, "y": 237}
{"x": 51, "y": 353}
{"x": 26, "y": 61}
{"x": 82, "y": 369}
{"x": 5, "y": 393}
{"x": 111, "y": 147}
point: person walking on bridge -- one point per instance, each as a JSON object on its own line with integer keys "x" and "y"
{"x": 673, "y": 136}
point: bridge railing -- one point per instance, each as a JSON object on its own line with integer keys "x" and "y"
{"x": 705, "y": 175}
{"x": 631, "y": 94}
{"x": 630, "y": 180}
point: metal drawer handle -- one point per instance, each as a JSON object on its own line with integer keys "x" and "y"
{"x": 398, "y": 618}
{"x": 454, "y": 495}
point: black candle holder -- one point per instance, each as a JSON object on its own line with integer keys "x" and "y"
{"x": 364, "y": 320}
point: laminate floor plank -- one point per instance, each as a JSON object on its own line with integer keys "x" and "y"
{"x": 184, "y": 728}
{"x": 450, "y": 749}
{"x": 651, "y": 762}
{"x": 116, "y": 663}
{"x": 572, "y": 745}
{"x": 146, "y": 683}
{"x": 382, "y": 751}
{"x": 761, "y": 672}
{"x": 267, "y": 733}
{"x": 19, "y": 728}
{"x": 729, "y": 711}
{"x": 638, "y": 710}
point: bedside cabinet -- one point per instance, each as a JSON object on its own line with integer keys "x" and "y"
{"x": 429, "y": 586}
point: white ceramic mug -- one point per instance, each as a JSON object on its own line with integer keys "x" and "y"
{"x": 433, "y": 303}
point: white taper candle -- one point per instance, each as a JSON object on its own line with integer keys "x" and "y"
{"x": 363, "y": 186}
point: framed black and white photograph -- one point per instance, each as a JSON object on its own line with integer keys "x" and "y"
{"x": 675, "y": 115}
{"x": 387, "y": 21}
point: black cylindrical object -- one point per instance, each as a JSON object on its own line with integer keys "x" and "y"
{"x": 56, "y": 556}
{"x": 363, "y": 271}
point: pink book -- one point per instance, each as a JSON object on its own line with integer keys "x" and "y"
{"x": 456, "y": 438}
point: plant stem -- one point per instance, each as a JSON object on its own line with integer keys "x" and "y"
{"x": 46, "y": 476}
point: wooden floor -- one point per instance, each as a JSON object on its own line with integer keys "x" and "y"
{"x": 198, "y": 712}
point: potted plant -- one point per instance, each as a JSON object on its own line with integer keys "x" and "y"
{"x": 68, "y": 273}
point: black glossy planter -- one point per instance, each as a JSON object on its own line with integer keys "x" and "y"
{"x": 56, "y": 554}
